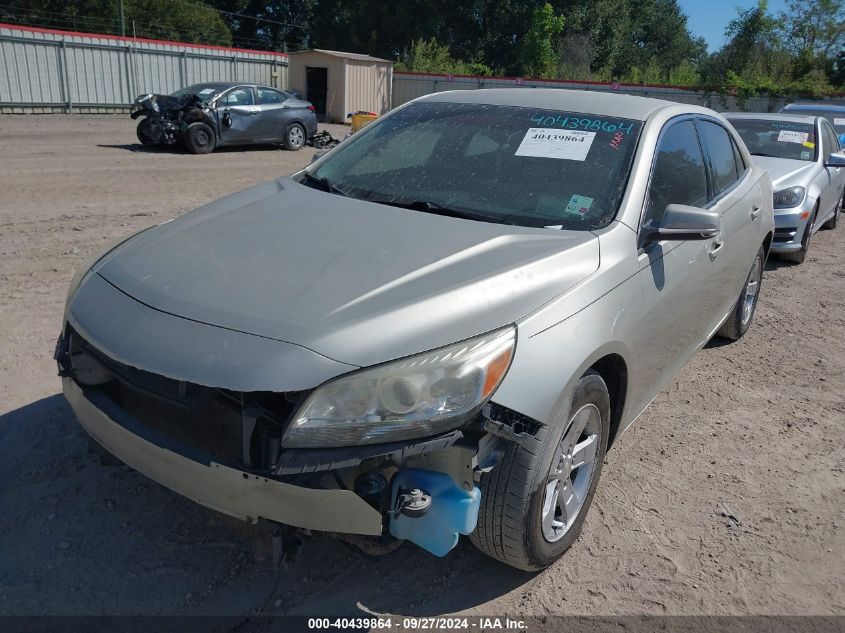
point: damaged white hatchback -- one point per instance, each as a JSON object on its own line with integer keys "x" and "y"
{"x": 435, "y": 329}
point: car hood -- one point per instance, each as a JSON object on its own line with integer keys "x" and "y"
{"x": 355, "y": 281}
{"x": 787, "y": 172}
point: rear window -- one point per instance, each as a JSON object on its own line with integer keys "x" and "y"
{"x": 719, "y": 155}
{"x": 517, "y": 165}
{"x": 779, "y": 139}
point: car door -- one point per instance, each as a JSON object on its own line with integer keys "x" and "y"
{"x": 832, "y": 194}
{"x": 739, "y": 202}
{"x": 275, "y": 113}
{"x": 673, "y": 274}
{"x": 237, "y": 114}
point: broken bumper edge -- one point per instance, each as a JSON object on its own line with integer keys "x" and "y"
{"x": 234, "y": 492}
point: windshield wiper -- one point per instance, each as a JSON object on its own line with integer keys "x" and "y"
{"x": 436, "y": 209}
{"x": 324, "y": 183}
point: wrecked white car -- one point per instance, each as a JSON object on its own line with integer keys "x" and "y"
{"x": 437, "y": 328}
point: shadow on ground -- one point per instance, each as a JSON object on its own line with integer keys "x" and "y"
{"x": 117, "y": 542}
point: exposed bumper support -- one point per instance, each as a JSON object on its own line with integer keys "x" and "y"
{"x": 228, "y": 490}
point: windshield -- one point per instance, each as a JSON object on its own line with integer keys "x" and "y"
{"x": 204, "y": 92}
{"x": 507, "y": 164}
{"x": 780, "y": 139}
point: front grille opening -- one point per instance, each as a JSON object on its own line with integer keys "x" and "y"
{"x": 217, "y": 422}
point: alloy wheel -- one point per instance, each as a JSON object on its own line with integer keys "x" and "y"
{"x": 752, "y": 287}
{"x": 571, "y": 473}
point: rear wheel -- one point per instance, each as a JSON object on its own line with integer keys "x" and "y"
{"x": 798, "y": 257}
{"x": 294, "y": 137}
{"x": 533, "y": 503}
{"x": 144, "y": 132}
{"x": 199, "y": 138}
{"x": 740, "y": 319}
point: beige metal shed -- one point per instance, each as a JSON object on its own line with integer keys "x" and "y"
{"x": 339, "y": 83}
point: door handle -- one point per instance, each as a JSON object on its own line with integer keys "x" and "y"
{"x": 755, "y": 212}
{"x": 715, "y": 249}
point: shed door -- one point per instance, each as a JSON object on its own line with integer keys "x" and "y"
{"x": 316, "y": 88}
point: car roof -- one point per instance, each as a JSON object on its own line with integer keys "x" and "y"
{"x": 769, "y": 116}
{"x": 814, "y": 107}
{"x": 225, "y": 85}
{"x": 587, "y": 101}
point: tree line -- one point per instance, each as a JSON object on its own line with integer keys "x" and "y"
{"x": 799, "y": 50}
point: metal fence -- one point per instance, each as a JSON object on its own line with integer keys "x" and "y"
{"x": 407, "y": 86}
{"x": 55, "y": 71}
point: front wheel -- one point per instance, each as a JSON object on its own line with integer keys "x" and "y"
{"x": 798, "y": 257}
{"x": 832, "y": 222}
{"x": 294, "y": 137}
{"x": 740, "y": 319}
{"x": 533, "y": 503}
{"x": 144, "y": 132}
{"x": 199, "y": 138}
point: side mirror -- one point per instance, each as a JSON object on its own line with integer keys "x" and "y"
{"x": 681, "y": 222}
{"x": 837, "y": 159}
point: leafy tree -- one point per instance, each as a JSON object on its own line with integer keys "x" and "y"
{"x": 182, "y": 20}
{"x": 537, "y": 57}
{"x": 428, "y": 56}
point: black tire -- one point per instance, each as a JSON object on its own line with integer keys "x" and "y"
{"x": 144, "y": 133}
{"x": 832, "y": 222}
{"x": 295, "y": 137}
{"x": 200, "y": 138}
{"x": 512, "y": 494}
{"x": 737, "y": 324}
{"x": 798, "y": 257}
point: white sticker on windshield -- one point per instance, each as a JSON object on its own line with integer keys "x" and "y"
{"x": 788, "y": 136}
{"x": 207, "y": 91}
{"x": 838, "y": 121}
{"x": 542, "y": 142}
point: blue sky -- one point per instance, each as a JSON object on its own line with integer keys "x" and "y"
{"x": 708, "y": 18}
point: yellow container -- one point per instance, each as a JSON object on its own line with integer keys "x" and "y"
{"x": 362, "y": 120}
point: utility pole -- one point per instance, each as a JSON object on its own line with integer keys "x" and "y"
{"x": 122, "y": 20}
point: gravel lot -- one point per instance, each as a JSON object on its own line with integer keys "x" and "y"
{"x": 756, "y": 426}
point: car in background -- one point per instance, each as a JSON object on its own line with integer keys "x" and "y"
{"x": 835, "y": 114}
{"x": 437, "y": 328}
{"x": 804, "y": 160}
{"x": 209, "y": 115}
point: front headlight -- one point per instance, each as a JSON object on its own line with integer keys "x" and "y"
{"x": 413, "y": 397}
{"x": 788, "y": 198}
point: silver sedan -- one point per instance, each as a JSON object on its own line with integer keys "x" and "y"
{"x": 807, "y": 168}
{"x": 436, "y": 329}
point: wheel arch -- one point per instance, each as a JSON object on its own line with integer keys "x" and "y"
{"x": 614, "y": 371}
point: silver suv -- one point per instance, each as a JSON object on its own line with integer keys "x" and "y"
{"x": 436, "y": 329}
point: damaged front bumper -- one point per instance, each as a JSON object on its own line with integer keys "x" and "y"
{"x": 366, "y": 490}
{"x": 234, "y": 492}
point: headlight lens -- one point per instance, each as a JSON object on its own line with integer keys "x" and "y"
{"x": 789, "y": 197}
{"x": 413, "y": 397}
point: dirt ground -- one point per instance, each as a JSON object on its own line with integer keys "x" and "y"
{"x": 756, "y": 426}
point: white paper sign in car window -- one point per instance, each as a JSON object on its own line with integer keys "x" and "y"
{"x": 838, "y": 121}
{"x": 788, "y": 136}
{"x": 542, "y": 142}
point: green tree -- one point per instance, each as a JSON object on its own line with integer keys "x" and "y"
{"x": 181, "y": 20}
{"x": 428, "y": 56}
{"x": 538, "y": 57}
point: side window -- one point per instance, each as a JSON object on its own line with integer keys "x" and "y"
{"x": 741, "y": 167}
{"x": 678, "y": 176}
{"x": 238, "y": 96}
{"x": 720, "y": 155}
{"x": 267, "y": 96}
